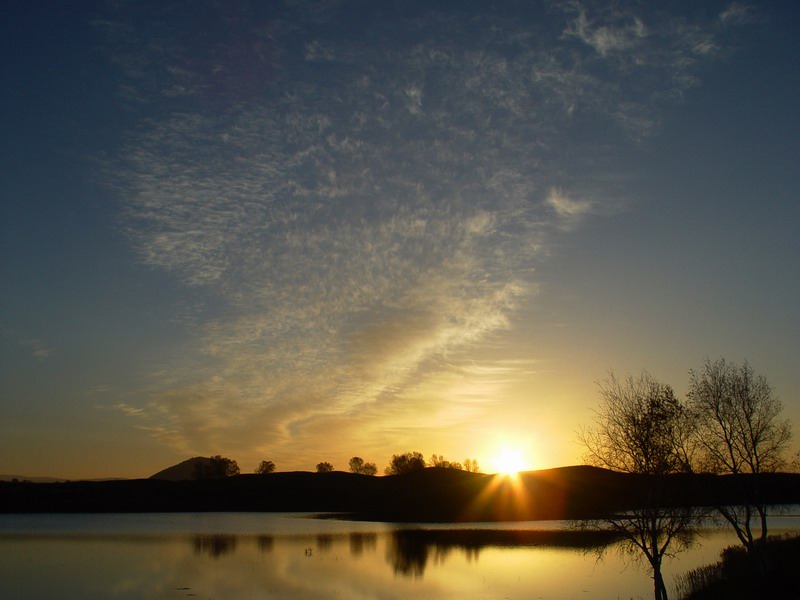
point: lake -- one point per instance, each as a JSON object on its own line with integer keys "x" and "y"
{"x": 226, "y": 556}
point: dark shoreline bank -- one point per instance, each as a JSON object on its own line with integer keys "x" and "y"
{"x": 428, "y": 495}
{"x": 734, "y": 577}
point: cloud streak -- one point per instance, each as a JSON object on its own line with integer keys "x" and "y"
{"x": 373, "y": 206}
{"x": 33, "y": 346}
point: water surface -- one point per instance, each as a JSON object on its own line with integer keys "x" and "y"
{"x": 270, "y": 556}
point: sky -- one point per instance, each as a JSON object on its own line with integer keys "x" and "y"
{"x": 301, "y": 231}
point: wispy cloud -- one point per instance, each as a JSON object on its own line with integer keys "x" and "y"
{"x": 30, "y": 346}
{"x": 737, "y": 13}
{"x": 569, "y": 210}
{"x": 37, "y": 348}
{"x": 369, "y": 210}
{"x": 625, "y": 34}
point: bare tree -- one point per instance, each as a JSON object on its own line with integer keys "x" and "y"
{"x": 794, "y": 463}
{"x": 357, "y": 465}
{"x": 266, "y": 466}
{"x": 324, "y": 467}
{"x": 640, "y": 428}
{"x": 740, "y": 432}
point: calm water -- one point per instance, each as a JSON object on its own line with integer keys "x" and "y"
{"x": 227, "y": 556}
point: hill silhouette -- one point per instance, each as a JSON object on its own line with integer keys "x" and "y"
{"x": 432, "y": 494}
{"x": 31, "y": 479}
{"x": 184, "y": 471}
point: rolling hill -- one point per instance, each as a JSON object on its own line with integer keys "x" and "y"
{"x": 432, "y": 494}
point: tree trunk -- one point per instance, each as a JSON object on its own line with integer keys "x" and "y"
{"x": 659, "y": 589}
{"x": 762, "y": 512}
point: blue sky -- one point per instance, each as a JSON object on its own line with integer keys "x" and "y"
{"x": 302, "y": 231}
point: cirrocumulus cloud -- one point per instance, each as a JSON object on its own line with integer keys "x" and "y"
{"x": 361, "y": 201}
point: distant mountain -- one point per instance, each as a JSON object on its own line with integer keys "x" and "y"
{"x": 32, "y": 479}
{"x": 54, "y": 479}
{"x": 185, "y": 471}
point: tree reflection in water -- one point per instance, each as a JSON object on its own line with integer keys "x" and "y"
{"x": 265, "y": 543}
{"x": 324, "y": 542}
{"x": 214, "y": 545}
{"x": 407, "y": 553}
{"x": 361, "y": 541}
{"x": 409, "y": 550}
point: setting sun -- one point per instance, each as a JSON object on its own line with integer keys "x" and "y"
{"x": 508, "y": 461}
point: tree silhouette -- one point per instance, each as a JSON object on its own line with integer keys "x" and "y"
{"x": 642, "y": 428}
{"x": 739, "y": 432}
{"x": 471, "y": 465}
{"x": 794, "y": 463}
{"x": 438, "y": 460}
{"x": 264, "y": 467}
{"x": 357, "y": 465}
{"x": 217, "y": 467}
{"x": 324, "y": 467}
{"x": 405, "y": 463}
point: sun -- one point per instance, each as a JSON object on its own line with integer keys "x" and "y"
{"x": 508, "y": 461}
